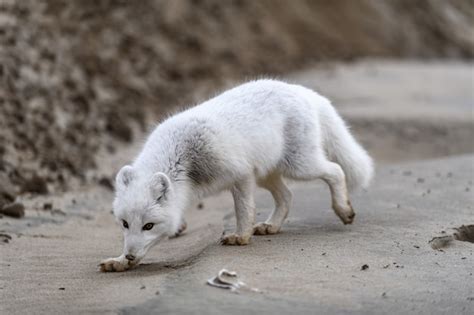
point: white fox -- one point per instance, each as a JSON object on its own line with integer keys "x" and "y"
{"x": 257, "y": 133}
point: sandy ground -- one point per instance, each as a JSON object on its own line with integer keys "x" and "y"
{"x": 314, "y": 265}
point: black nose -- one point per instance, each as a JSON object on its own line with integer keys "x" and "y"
{"x": 130, "y": 257}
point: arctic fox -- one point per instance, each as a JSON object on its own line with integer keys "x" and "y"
{"x": 256, "y": 134}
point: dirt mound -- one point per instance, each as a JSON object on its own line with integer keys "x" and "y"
{"x": 75, "y": 76}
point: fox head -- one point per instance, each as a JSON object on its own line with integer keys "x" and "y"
{"x": 145, "y": 210}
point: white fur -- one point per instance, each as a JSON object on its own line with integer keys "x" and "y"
{"x": 255, "y": 134}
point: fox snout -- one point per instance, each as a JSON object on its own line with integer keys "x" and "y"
{"x": 135, "y": 249}
{"x": 134, "y": 257}
{"x": 130, "y": 257}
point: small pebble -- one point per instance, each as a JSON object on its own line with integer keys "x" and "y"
{"x": 5, "y": 238}
{"x": 364, "y": 267}
{"x": 15, "y": 210}
{"x": 36, "y": 184}
{"x": 106, "y": 182}
{"x": 58, "y": 211}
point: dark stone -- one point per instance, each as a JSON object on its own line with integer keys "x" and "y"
{"x": 35, "y": 184}
{"x": 15, "y": 210}
{"x": 106, "y": 182}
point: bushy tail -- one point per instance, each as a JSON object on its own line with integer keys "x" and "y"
{"x": 343, "y": 149}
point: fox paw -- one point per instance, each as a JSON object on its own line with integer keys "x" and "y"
{"x": 181, "y": 229}
{"x": 346, "y": 214}
{"x": 234, "y": 239}
{"x": 114, "y": 265}
{"x": 265, "y": 228}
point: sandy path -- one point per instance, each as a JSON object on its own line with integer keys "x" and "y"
{"x": 53, "y": 251}
{"x": 53, "y": 267}
{"x": 315, "y": 264}
{"x": 402, "y": 110}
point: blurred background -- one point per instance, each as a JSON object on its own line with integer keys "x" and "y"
{"x": 82, "y": 79}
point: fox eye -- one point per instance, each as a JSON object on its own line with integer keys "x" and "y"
{"x": 125, "y": 224}
{"x": 148, "y": 226}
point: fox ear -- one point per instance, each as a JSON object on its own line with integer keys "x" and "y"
{"x": 160, "y": 186}
{"x": 124, "y": 177}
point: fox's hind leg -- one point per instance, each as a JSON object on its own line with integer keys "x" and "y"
{"x": 282, "y": 196}
{"x": 334, "y": 176}
{"x": 244, "y": 213}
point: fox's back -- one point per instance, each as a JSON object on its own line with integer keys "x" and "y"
{"x": 253, "y": 125}
{"x": 256, "y": 106}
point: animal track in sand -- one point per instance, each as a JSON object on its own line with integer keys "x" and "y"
{"x": 464, "y": 233}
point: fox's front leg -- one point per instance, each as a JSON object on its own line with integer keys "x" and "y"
{"x": 244, "y": 213}
{"x": 182, "y": 227}
{"x": 117, "y": 264}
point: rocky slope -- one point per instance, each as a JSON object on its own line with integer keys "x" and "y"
{"x": 78, "y": 77}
